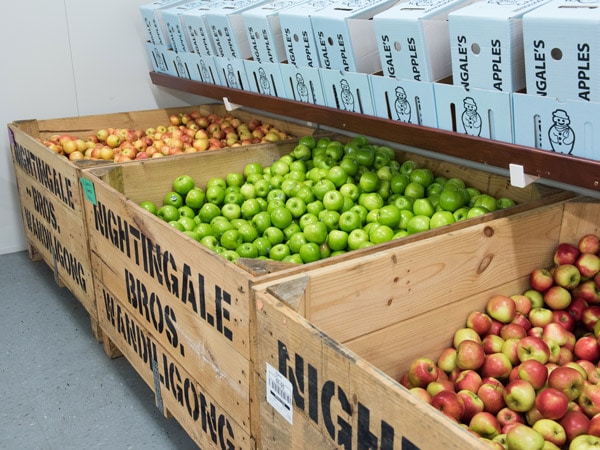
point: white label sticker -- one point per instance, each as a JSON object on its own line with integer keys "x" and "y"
{"x": 279, "y": 393}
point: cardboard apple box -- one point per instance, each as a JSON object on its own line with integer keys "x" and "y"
{"x": 561, "y": 50}
{"x": 195, "y": 28}
{"x": 570, "y": 127}
{"x": 302, "y": 84}
{"x": 153, "y": 21}
{"x": 264, "y": 78}
{"x": 160, "y": 58}
{"x": 201, "y": 68}
{"x": 232, "y": 72}
{"x": 347, "y": 91}
{"x": 487, "y": 44}
{"x": 173, "y": 23}
{"x": 346, "y": 37}
{"x": 405, "y": 100}
{"x": 413, "y": 41}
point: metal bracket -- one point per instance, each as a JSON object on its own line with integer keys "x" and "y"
{"x": 518, "y": 177}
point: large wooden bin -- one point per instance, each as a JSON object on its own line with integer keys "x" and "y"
{"x": 343, "y": 335}
{"x": 50, "y": 193}
{"x": 183, "y": 315}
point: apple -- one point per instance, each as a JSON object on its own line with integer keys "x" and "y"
{"x": 575, "y": 423}
{"x": 449, "y": 403}
{"x": 588, "y": 264}
{"x": 421, "y": 393}
{"x": 565, "y": 253}
{"x": 473, "y": 404}
{"x": 491, "y": 393}
{"x": 534, "y": 372}
{"x": 555, "y": 332}
{"x": 589, "y": 399}
{"x": 523, "y": 437}
{"x": 496, "y": 365}
{"x": 465, "y": 334}
{"x": 594, "y": 426}
{"x": 522, "y": 303}
{"x": 558, "y": 296}
{"x": 585, "y": 442}
{"x": 588, "y": 243}
{"x": 519, "y": 395}
{"x": 496, "y": 327}
{"x": 439, "y": 385}
{"x": 469, "y": 355}
{"x": 447, "y": 359}
{"x": 492, "y": 343}
{"x": 541, "y": 279}
{"x": 479, "y": 321}
{"x": 501, "y": 308}
{"x": 422, "y": 371}
{"x": 590, "y": 316}
{"x": 522, "y": 320}
{"x": 468, "y": 380}
{"x": 540, "y": 316}
{"x": 506, "y": 416}
{"x": 551, "y": 403}
{"x": 485, "y": 424}
{"x": 588, "y": 290}
{"x": 568, "y": 380}
{"x": 551, "y": 431}
{"x": 532, "y": 347}
{"x": 512, "y": 331}
{"x": 536, "y": 331}
{"x": 511, "y": 349}
{"x": 563, "y": 318}
{"x": 587, "y": 347}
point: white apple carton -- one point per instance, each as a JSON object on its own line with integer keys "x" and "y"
{"x": 302, "y": 84}
{"x": 413, "y": 41}
{"x": 570, "y": 127}
{"x": 264, "y": 30}
{"x": 561, "y": 52}
{"x": 265, "y": 78}
{"x": 477, "y": 112}
{"x": 226, "y": 26}
{"x": 487, "y": 44}
{"x": 298, "y": 34}
{"x": 51, "y": 193}
{"x": 153, "y": 21}
{"x": 346, "y": 37}
{"x": 404, "y": 100}
{"x": 160, "y": 58}
{"x": 196, "y": 30}
{"x": 347, "y": 91}
{"x": 154, "y": 282}
{"x": 334, "y": 342}
{"x": 200, "y": 68}
{"x": 232, "y": 72}
{"x": 172, "y": 18}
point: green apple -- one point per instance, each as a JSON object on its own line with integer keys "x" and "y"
{"x": 357, "y": 238}
{"x": 423, "y": 207}
{"x": 440, "y": 219}
{"x": 476, "y": 211}
{"x": 281, "y": 217}
{"x": 350, "y": 165}
{"x": 486, "y": 201}
{"x": 248, "y": 232}
{"x": 186, "y": 211}
{"x": 208, "y": 212}
{"x": 231, "y": 211}
{"x": 249, "y": 208}
{"x": 333, "y": 200}
{"x": 235, "y": 179}
{"x": 405, "y": 216}
{"x": 337, "y": 175}
{"x": 195, "y": 198}
{"x": 349, "y": 220}
{"x": 451, "y": 200}
{"x": 321, "y": 187}
{"x": 350, "y": 190}
{"x": 187, "y": 222}
{"x": 263, "y": 246}
{"x": 407, "y": 167}
{"x": 309, "y": 252}
{"x": 308, "y": 218}
{"x": 369, "y": 182}
{"x": 173, "y": 198}
{"x": 316, "y": 232}
{"x": 417, "y": 224}
{"x": 361, "y": 211}
{"x": 306, "y": 193}
{"x": 388, "y": 215}
{"x": 414, "y": 190}
{"x": 296, "y": 206}
{"x": 337, "y": 240}
{"x": 274, "y": 235}
{"x": 149, "y": 206}
{"x": 279, "y": 251}
{"x": 183, "y": 184}
{"x": 461, "y": 213}
{"x": 380, "y": 233}
{"x": 168, "y": 213}
{"x": 261, "y": 221}
{"x": 330, "y": 219}
{"x": 296, "y": 241}
{"x": 210, "y": 242}
{"x": 315, "y": 207}
{"x": 215, "y": 194}
{"x": 370, "y": 200}
{"x": 422, "y": 176}
{"x": 404, "y": 202}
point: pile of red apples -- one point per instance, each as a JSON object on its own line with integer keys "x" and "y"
{"x": 185, "y": 133}
{"x": 525, "y": 373}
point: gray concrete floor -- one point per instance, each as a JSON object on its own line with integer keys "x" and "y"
{"x": 58, "y": 389}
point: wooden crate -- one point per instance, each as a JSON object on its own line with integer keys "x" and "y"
{"x": 50, "y": 192}
{"x": 195, "y": 304}
{"x": 312, "y": 330}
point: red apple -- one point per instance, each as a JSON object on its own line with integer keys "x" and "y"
{"x": 575, "y": 423}
{"x": 465, "y": 334}
{"x": 437, "y": 386}
{"x": 589, "y": 399}
{"x": 422, "y": 371}
{"x": 558, "y": 296}
{"x": 588, "y": 243}
{"x": 496, "y": 327}
{"x": 449, "y": 403}
{"x": 590, "y": 316}
{"x": 564, "y": 318}
{"x": 587, "y": 347}
{"x": 522, "y": 303}
{"x": 501, "y": 308}
{"x": 510, "y": 349}
{"x": 469, "y": 355}
{"x": 447, "y": 359}
{"x": 496, "y": 365}
{"x": 568, "y": 380}
{"x": 531, "y": 347}
{"x": 507, "y": 415}
{"x": 468, "y": 380}
{"x": 473, "y": 404}
{"x": 519, "y": 395}
{"x": 577, "y": 307}
{"x": 565, "y": 253}
{"x": 551, "y": 403}
{"x": 521, "y": 320}
{"x": 485, "y": 425}
{"x": 589, "y": 291}
{"x": 492, "y": 394}
{"x": 588, "y": 264}
{"x": 421, "y": 393}
{"x": 594, "y": 426}
{"x": 492, "y": 343}
{"x": 534, "y": 372}
{"x": 479, "y": 321}
{"x": 513, "y": 331}
{"x": 556, "y": 332}
{"x": 541, "y": 279}
{"x": 552, "y": 431}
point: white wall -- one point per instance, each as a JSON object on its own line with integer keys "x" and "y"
{"x": 64, "y": 58}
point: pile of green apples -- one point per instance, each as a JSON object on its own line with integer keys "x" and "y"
{"x": 323, "y": 198}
